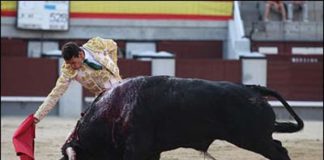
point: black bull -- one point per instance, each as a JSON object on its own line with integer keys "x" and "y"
{"x": 144, "y": 116}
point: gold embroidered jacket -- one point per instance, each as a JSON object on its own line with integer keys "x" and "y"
{"x": 105, "y": 52}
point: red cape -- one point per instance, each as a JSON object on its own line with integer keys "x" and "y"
{"x": 23, "y": 139}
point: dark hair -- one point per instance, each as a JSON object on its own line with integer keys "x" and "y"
{"x": 69, "y": 50}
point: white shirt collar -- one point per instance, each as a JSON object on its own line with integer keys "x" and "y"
{"x": 89, "y": 57}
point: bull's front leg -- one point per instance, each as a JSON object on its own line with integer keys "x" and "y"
{"x": 132, "y": 156}
{"x": 139, "y": 147}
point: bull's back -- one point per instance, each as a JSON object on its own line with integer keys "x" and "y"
{"x": 160, "y": 94}
{"x": 179, "y": 111}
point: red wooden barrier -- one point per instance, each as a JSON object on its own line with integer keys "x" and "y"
{"x": 211, "y": 69}
{"x": 22, "y": 76}
{"x": 296, "y": 77}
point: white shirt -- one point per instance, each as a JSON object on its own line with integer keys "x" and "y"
{"x": 89, "y": 56}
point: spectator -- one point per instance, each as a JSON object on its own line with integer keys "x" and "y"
{"x": 297, "y": 6}
{"x": 277, "y": 6}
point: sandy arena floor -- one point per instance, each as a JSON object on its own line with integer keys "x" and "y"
{"x": 52, "y": 131}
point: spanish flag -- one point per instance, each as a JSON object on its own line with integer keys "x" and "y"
{"x": 149, "y": 10}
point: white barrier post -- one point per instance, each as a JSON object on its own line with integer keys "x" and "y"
{"x": 70, "y": 104}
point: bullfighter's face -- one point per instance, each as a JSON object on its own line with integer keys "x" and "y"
{"x": 76, "y": 61}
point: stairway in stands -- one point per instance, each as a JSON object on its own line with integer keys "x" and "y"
{"x": 277, "y": 30}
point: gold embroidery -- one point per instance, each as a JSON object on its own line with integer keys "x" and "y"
{"x": 68, "y": 70}
{"x": 91, "y": 84}
{"x": 98, "y": 46}
{"x": 83, "y": 68}
{"x": 105, "y": 78}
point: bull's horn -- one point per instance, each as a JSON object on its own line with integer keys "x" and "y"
{"x": 71, "y": 153}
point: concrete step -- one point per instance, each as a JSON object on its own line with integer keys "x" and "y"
{"x": 276, "y": 29}
{"x": 254, "y": 9}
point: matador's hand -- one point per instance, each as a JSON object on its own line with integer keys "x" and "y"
{"x": 36, "y": 120}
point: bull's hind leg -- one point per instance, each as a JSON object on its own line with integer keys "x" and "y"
{"x": 280, "y": 147}
{"x": 270, "y": 148}
{"x": 273, "y": 151}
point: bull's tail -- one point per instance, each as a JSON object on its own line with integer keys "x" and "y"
{"x": 281, "y": 127}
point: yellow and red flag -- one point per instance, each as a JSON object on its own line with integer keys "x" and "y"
{"x": 187, "y": 10}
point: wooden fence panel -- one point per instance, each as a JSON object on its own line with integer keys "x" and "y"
{"x": 22, "y": 76}
{"x": 132, "y": 68}
{"x": 296, "y": 80}
{"x": 192, "y": 49}
{"x": 210, "y": 69}
{"x": 13, "y": 47}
